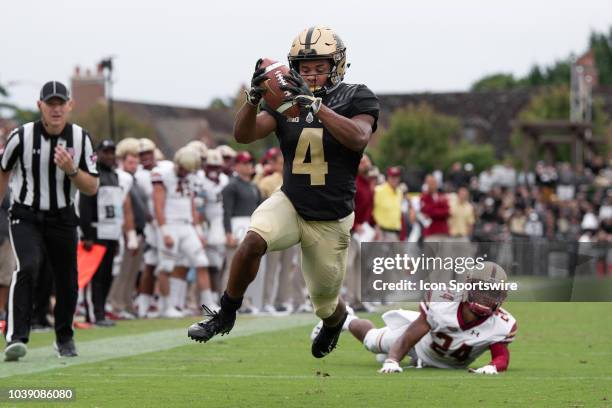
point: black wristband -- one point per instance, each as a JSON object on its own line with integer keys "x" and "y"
{"x": 73, "y": 173}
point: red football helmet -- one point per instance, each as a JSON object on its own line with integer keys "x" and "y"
{"x": 485, "y": 302}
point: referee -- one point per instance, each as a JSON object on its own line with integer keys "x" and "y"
{"x": 46, "y": 162}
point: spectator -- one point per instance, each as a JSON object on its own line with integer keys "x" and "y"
{"x": 566, "y": 187}
{"x": 434, "y": 206}
{"x": 533, "y": 226}
{"x": 457, "y": 177}
{"x": 486, "y": 181}
{"x": 387, "y": 210}
{"x": 461, "y": 220}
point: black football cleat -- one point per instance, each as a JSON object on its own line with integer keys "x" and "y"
{"x": 220, "y": 322}
{"x": 66, "y": 349}
{"x": 327, "y": 339}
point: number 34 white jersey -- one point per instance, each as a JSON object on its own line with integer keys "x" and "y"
{"x": 452, "y": 343}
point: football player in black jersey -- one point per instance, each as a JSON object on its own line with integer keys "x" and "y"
{"x": 321, "y": 149}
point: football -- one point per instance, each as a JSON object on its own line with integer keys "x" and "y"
{"x": 275, "y": 96}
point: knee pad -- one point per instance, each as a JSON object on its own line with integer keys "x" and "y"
{"x": 373, "y": 340}
{"x": 324, "y": 306}
{"x": 381, "y": 340}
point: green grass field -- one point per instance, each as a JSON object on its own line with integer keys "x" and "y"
{"x": 562, "y": 357}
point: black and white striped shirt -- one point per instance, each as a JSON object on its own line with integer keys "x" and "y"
{"x": 36, "y": 181}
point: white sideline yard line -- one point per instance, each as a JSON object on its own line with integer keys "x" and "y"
{"x": 411, "y": 375}
{"x": 45, "y": 359}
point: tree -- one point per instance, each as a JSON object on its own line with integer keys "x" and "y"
{"x": 554, "y": 103}
{"x": 481, "y": 156}
{"x": 495, "y": 82}
{"x": 601, "y": 45}
{"x": 219, "y": 103}
{"x": 22, "y": 116}
{"x": 95, "y": 121}
{"x": 417, "y": 138}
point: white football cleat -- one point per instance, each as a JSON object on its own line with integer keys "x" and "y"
{"x": 305, "y": 307}
{"x": 269, "y": 309}
{"x": 173, "y": 313}
{"x": 285, "y": 309}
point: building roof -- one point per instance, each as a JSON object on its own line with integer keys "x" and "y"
{"x": 492, "y": 113}
{"x": 178, "y": 125}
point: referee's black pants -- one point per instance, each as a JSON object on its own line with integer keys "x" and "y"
{"x": 97, "y": 290}
{"x": 38, "y": 237}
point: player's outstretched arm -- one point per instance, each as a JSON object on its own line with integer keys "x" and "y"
{"x": 353, "y": 133}
{"x": 500, "y": 359}
{"x": 251, "y": 126}
{"x": 402, "y": 346}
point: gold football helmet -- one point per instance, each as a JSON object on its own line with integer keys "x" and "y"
{"x": 320, "y": 42}
{"x": 188, "y": 158}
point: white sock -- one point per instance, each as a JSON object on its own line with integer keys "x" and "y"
{"x": 206, "y": 297}
{"x": 175, "y": 292}
{"x": 348, "y": 321}
{"x": 143, "y": 302}
{"x": 182, "y": 297}
{"x": 162, "y": 303}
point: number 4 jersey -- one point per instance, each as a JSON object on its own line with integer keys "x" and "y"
{"x": 451, "y": 343}
{"x": 319, "y": 172}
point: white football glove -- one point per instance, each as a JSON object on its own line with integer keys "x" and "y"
{"x": 131, "y": 240}
{"x": 488, "y": 369}
{"x": 390, "y": 366}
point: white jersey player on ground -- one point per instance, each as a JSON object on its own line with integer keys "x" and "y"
{"x": 450, "y": 331}
{"x": 180, "y": 236}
